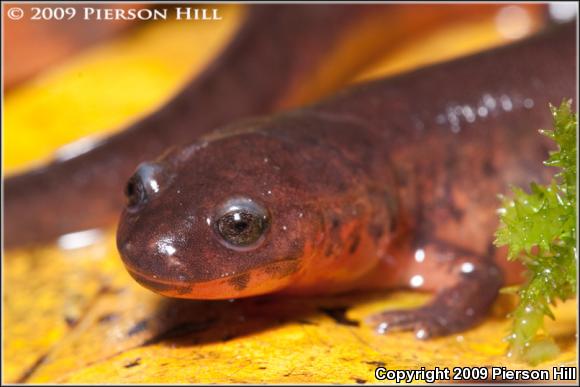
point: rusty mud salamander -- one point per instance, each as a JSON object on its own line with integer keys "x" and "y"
{"x": 388, "y": 184}
{"x": 269, "y": 64}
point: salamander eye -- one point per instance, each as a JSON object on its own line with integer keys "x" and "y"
{"x": 241, "y": 223}
{"x": 144, "y": 183}
{"x": 134, "y": 191}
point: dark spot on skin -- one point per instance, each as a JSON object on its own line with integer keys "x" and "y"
{"x": 360, "y": 381}
{"x": 488, "y": 169}
{"x": 354, "y": 244}
{"x": 450, "y": 165}
{"x": 490, "y": 249}
{"x": 133, "y": 363}
{"x": 335, "y": 223}
{"x": 376, "y": 231}
{"x": 107, "y": 318}
{"x": 138, "y": 328}
{"x": 456, "y": 212}
{"x": 282, "y": 269}
{"x": 402, "y": 178}
{"x": 375, "y": 363}
{"x": 183, "y": 290}
{"x": 329, "y": 250}
{"x": 387, "y": 217}
{"x": 339, "y": 316}
{"x": 262, "y": 368}
{"x": 394, "y": 224}
{"x": 334, "y": 226}
{"x": 240, "y": 282}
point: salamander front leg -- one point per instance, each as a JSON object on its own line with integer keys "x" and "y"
{"x": 466, "y": 286}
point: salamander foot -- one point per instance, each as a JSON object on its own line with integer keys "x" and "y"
{"x": 454, "y": 308}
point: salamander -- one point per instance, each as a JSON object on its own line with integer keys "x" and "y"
{"x": 387, "y": 184}
{"x": 281, "y": 56}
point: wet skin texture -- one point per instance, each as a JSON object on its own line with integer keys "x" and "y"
{"x": 270, "y": 64}
{"x": 252, "y": 76}
{"x": 388, "y": 184}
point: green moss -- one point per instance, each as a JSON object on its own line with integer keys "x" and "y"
{"x": 540, "y": 230}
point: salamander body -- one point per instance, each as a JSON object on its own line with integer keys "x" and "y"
{"x": 388, "y": 184}
{"x": 281, "y": 55}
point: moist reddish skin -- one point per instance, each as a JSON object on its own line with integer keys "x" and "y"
{"x": 368, "y": 189}
{"x": 281, "y": 55}
{"x": 255, "y": 74}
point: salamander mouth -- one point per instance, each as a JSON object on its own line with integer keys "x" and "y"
{"x": 158, "y": 285}
{"x": 243, "y": 284}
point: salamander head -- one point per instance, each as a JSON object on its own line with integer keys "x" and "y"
{"x": 223, "y": 218}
